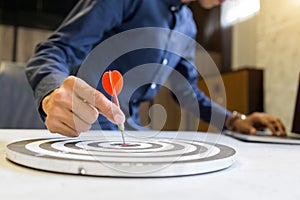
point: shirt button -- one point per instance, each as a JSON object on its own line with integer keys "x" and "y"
{"x": 165, "y": 61}
{"x": 174, "y": 8}
{"x": 134, "y": 101}
{"x": 153, "y": 86}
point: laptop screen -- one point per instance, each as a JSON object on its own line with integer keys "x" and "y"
{"x": 296, "y": 123}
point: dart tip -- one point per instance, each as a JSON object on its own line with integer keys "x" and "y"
{"x": 121, "y": 128}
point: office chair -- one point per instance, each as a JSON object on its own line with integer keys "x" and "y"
{"x": 17, "y": 104}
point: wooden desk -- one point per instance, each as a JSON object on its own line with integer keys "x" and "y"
{"x": 261, "y": 171}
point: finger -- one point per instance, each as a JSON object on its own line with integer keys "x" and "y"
{"x": 108, "y": 109}
{"x": 281, "y": 128}
{"x": 77, "y": 92}
{"x": 74, "y": 122}
{"x": 278, "y": 126}
{"x": 63, "y": 119}
{"x": 65, "y": 130}
{"x": 84, "y": 91}
{"x": 99, "y": 101}
{"x": 56, "y": 110}
{"x": 79, "y": 125}
{"x": 85, "y": 111}
{"x": 57, "y": 126}
{"x": 269, "y": 125}
{"x": 252, "y": 131}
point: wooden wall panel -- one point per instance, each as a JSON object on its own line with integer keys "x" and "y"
{"x": 244, "y": 91}
{"x": 6, "y": 41}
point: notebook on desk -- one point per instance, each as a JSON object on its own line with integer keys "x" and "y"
{"x": 292, "y": 137}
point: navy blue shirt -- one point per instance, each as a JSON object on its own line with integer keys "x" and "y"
{"x": 92, "y": 22}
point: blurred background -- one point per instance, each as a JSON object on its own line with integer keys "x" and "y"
{"x": 255, "y": 45}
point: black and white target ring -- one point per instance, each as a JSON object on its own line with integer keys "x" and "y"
{"x": 108, "y": 157}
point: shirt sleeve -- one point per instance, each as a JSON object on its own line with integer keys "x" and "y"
{"x": 193, "y": 98}
{"x": 61, "y": 54}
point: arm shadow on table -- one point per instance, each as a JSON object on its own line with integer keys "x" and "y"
{"x": 17, "y": 104}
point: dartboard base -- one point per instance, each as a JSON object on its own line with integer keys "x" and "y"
{"x": 106, "y": 157}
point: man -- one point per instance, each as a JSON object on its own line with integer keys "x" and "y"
{"x": 69, "y": 105}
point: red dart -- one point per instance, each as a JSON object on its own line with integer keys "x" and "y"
{"x": 112, "y": 82}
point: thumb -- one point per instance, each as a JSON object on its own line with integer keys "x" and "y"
{"x": 243, "y": 127}
{"x": 252, "y": 131}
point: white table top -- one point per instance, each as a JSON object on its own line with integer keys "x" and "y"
{"x": 261, "y": 171}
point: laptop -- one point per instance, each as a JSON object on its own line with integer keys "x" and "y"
{"x": 292, "y": 137}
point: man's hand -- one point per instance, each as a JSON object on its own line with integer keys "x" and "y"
{"x": 75, "y": 106}
{"x": 258, "y": 121}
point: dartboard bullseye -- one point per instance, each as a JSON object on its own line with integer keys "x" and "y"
{"x": 108, "y": 157}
